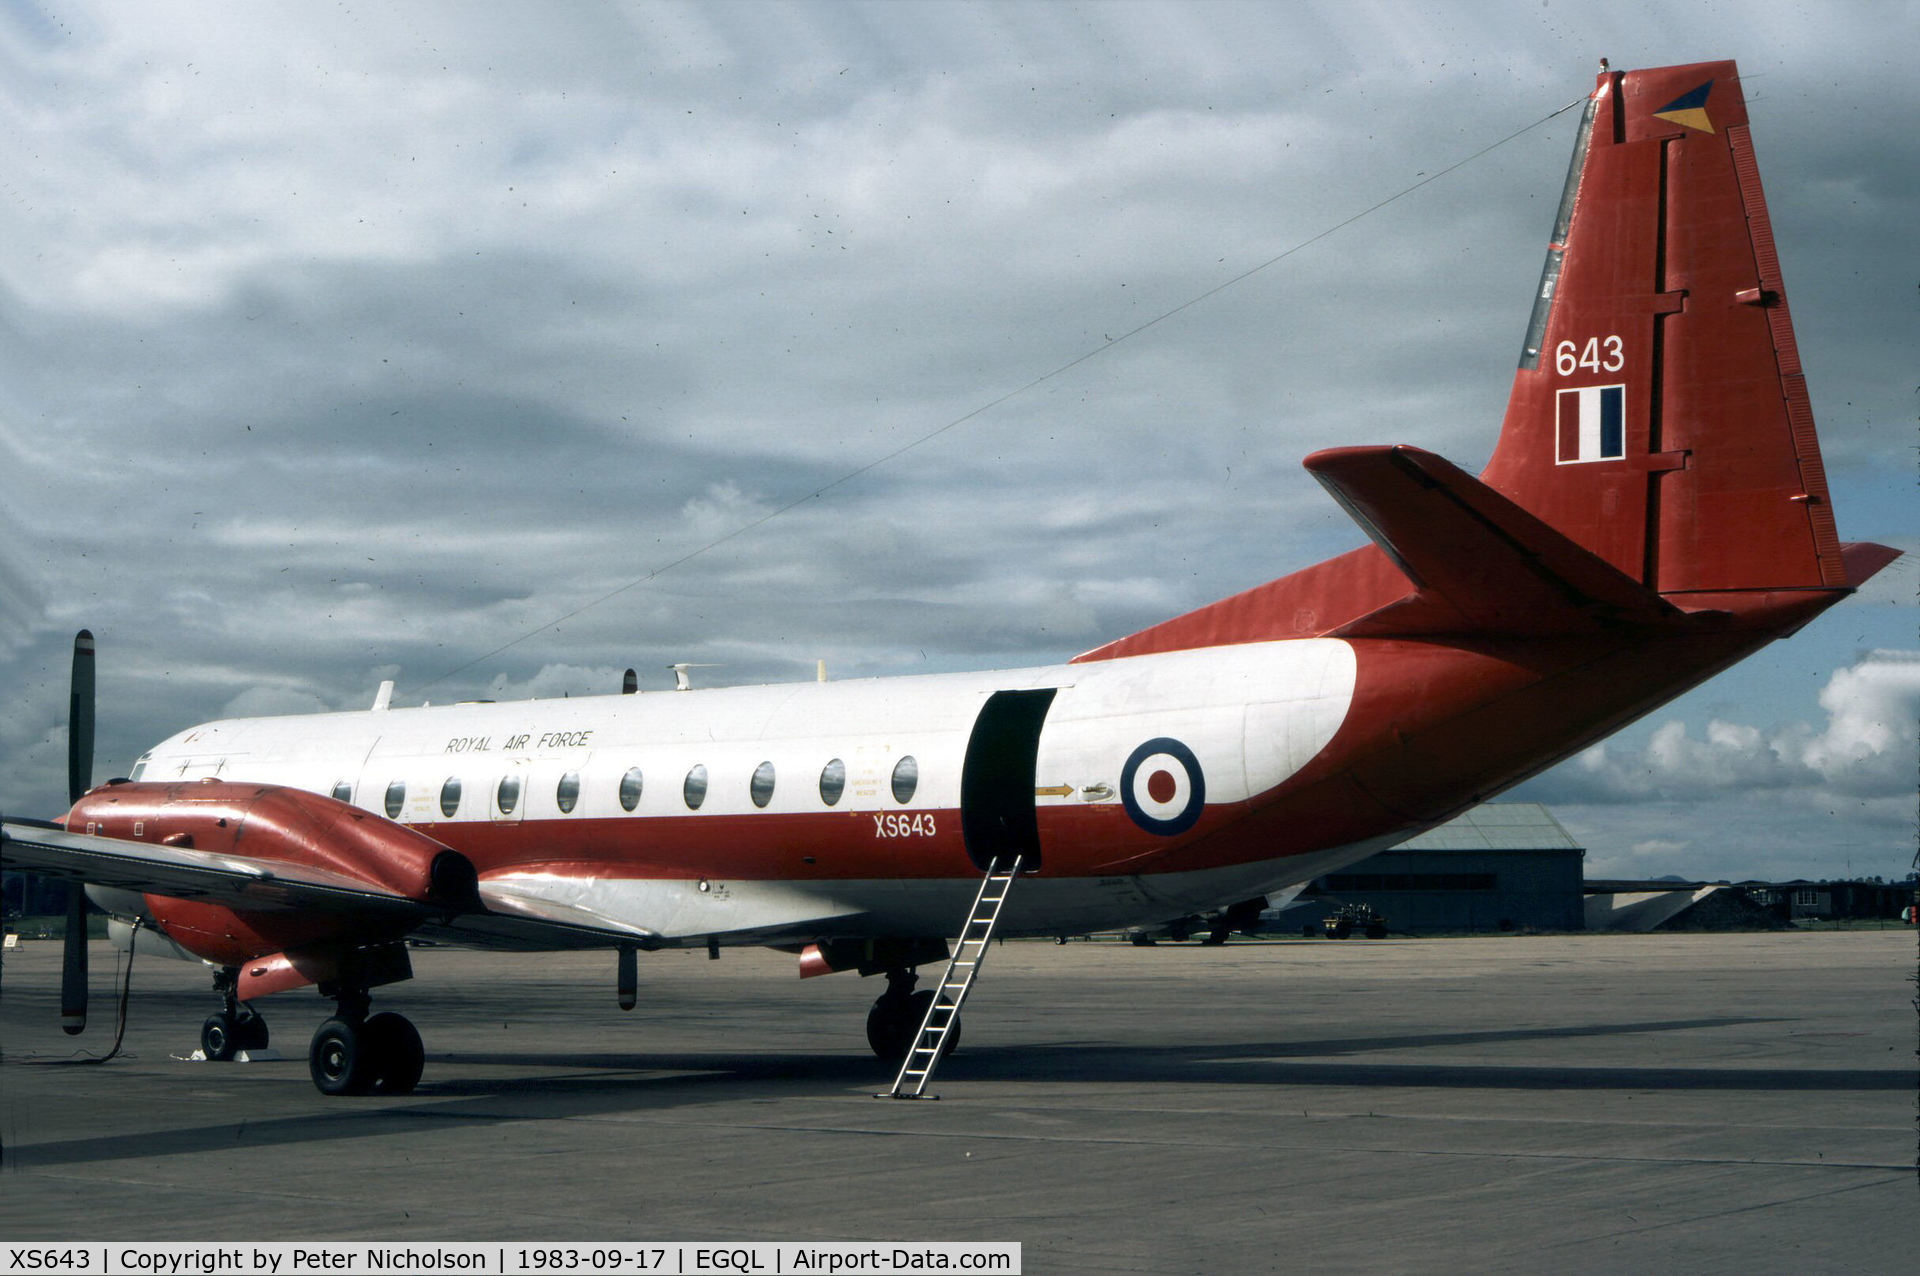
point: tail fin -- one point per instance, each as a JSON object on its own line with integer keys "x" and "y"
{"x": 1659, "y": 417}
{"x": 1658, "y": 443}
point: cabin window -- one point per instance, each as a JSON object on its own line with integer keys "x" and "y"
{"x": 343, "y": 790}
{"x": 507, "y": 795}
{"x": 567, "y": 793}
{"x": 396, "y": 798}
{"x": 695, "y": 789}
{"x": 630, "y": 789}
{"x": 833, "y": 781}
{"x": 450, "y": 796}
{"x": 906, "y": 778}
{"x": 761, "y": 789}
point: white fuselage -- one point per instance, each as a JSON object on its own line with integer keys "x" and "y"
{"x": 707, "y": 814}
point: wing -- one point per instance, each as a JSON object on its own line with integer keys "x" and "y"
{"x": 557, "y": 907}
{"x": 236, "y": 881}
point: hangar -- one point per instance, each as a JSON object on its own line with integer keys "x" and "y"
{"x": 1500, "y": 867}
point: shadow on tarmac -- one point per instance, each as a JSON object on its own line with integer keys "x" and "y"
{"x": 572, "y": 1086}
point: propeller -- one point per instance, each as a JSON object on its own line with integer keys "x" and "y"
{"x": 73, "y": 964}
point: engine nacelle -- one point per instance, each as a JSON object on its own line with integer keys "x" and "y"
{"x": 269, "y": 823}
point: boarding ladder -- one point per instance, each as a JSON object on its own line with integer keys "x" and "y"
{"x": 916, "y": 1070}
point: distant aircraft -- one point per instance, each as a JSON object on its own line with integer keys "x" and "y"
{"x": 1655, "y": 510}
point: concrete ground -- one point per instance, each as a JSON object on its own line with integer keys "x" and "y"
{"x": 1608, "y": 1102}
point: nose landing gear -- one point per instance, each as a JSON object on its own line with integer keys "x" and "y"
{"x": 235, "y": 1026}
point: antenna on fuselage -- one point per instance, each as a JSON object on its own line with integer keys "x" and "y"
{"x": 680, "y": 680}
{"x": 383, "y": 697}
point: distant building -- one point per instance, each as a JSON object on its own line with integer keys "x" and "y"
{"x": 1500, "y": 867}
{"x": 1834, "y": 901}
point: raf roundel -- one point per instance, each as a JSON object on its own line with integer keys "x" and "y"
{"x": 1162, "y": 787}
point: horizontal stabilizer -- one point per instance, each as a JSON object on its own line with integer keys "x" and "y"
{"x": 1479, "y": 563}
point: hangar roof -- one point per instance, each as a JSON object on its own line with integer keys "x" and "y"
{"x": 1497, "y": 826}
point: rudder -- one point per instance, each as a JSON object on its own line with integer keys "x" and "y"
{"x": 1659, "y": 417}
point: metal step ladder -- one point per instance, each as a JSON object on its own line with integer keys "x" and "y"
{"x": 916, "y": 1070}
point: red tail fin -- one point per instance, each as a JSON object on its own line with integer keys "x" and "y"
{"x": 1659, "y": 426}
{"x": 1659, "y": 417}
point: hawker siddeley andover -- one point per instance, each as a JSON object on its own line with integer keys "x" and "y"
{"x": 1654, "y": 510}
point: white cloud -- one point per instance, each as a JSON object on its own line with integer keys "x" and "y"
{"x": 1864, "y": 757}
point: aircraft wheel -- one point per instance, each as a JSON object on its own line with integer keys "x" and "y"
{"x": 891, "y": 1028}
{"x": 218, "y": 1039}
{"x": 250, "y": 1029}
{"x": 339, "y": 1059}
{"x": 891, "y": 1025}
{"x": 398, "y": 1056}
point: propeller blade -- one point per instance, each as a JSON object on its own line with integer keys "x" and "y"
{"x": 73, "y": 953}
{"x": 80, "y": 719}
{"x": 73, "y": 964}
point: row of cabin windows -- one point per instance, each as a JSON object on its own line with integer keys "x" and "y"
{"x": 693, "y": 790}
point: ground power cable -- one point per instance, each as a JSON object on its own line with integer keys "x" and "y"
{"x": 1014, "y": 393}
{"x": 123, "y": 975}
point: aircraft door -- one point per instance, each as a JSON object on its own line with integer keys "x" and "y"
{"x": 997, "y": 777}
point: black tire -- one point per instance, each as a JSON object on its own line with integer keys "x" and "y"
{"x": 250, "y": 1029}
{"x": 339, "y": 1060}
{"x": 890, "y": 1027}
{"x": 218, "y": 1037}
{"x": 1215, "y": 938}
{"x": 398, "y": 1056}
{"x": 1376, "y": 932}
{"x": 894, "y": 1023}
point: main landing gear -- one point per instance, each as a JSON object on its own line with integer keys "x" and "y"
{"x": 353, "y": 1053}
{"x": 897, "y": 1014}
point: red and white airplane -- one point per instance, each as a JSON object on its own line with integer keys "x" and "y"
{"x": 1655, "y": 510}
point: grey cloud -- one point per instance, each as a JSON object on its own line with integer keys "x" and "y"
{"x": 342, "y": 341}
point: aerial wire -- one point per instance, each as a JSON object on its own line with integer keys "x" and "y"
{"x": 1014, "y": 393}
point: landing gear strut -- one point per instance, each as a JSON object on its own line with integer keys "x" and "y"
{"x": 234, "y": 1027}
{"x": 353, "y": 1053}
{"x": 897, "y": 1014}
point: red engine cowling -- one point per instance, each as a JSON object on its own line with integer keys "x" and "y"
{"x": 287, "y": 826}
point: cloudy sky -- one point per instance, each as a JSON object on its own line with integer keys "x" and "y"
{"x": 362, "y": 342}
